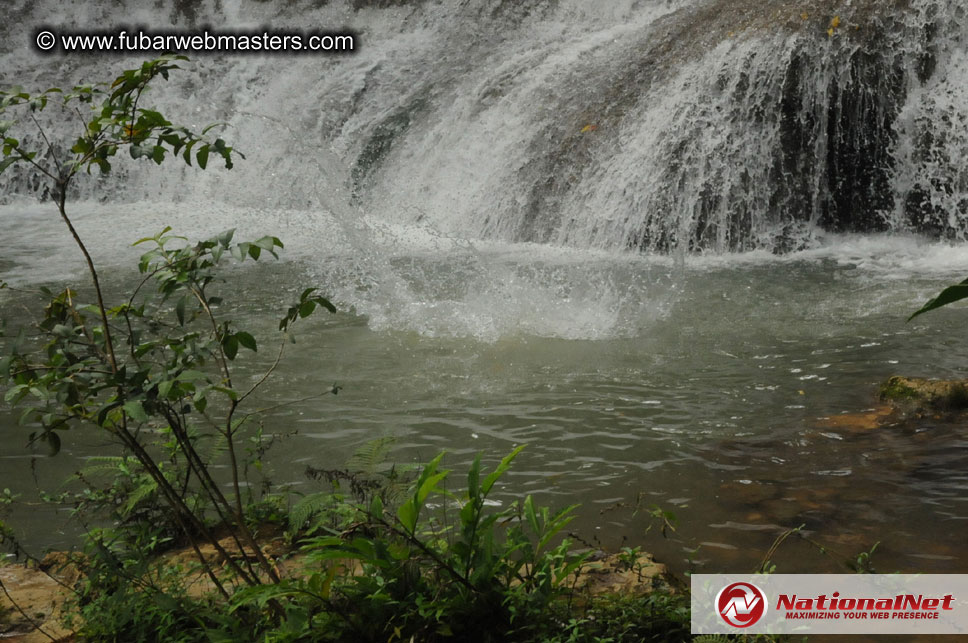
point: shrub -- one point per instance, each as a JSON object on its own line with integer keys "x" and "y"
{"x": 154, "y": 370}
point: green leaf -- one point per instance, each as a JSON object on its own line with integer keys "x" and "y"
{"x": 17, "y": 392}
{"x": 7, "y": 162}
{"x": 949, "y": 295}
{"x": 231, "y": 346}
{"x": 135, "y": 410}
{"x": 180, "y": 310}
{"x": 474, "y": 478}
{"x": 325, "y": 303}
{"x": 153, "y": 118}
{"x": 530, "y": 515}
{"x": 407, "y": 514}
{"x": 164, "y": 388}
{"x": 232, "y": 394}
{"x": 246, "y": 340}
{"x": 226, "y": 237}
{"x": 266, "y": 243}
{"x": 202, "y": 156}
{"x": 187, "y": 154}
{"x": 499, "y": 471}
{"x": 53, "y": 441}
{"x": 556, "y": 524}
{"x": 376, "y": 507}
{"x": 306, "y": 308}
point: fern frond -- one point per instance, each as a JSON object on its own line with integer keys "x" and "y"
{"x": 145, "y": 489}
{"x": 219, "y": 445}
{"x": 369, "y": 457}
{"x": 307, "y": 507}
{"x": 104, "y": 465}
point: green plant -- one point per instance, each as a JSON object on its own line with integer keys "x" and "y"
{"x": 629, "y": 557}
{"x": 127, "y": 598}
{"x": 665, "y": 518}
{"x": 153, "y": 370}
{"x": 947, "y": 296}
{"x": 863, "y": 563}
{"x": 385, "y": 574}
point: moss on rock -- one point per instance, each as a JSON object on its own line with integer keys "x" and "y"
{"x": 947, "y": 395}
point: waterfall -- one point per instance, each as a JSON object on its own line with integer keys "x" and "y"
{"x": 648, "y": 125}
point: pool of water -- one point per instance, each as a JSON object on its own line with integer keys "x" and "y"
{"x": 698, "y": 384}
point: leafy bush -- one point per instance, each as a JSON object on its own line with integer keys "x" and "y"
{"x": 154, "y": 371}
{"x": 387, "y": 574}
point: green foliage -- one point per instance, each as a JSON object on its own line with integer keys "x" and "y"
{"x": 371, "y": 458}
{"x": 665, "y": 518}
{"x": 864, "y": 562}
{"x": 123, "y": 599}
{"x": 895, "y": 388}
{"x": 618, "y": 618}
{"x": 115, "y": 120}
{"x": 7, "y": 498}
{"x": 308, "y": 301}
{"x": 385, "y": 574}
{"x": 947, "y": 296}
{"x": 154, "y": 371}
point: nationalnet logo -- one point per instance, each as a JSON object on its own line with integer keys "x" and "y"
{"x": 741, "y": 604}
{"x": 830, "y": 604}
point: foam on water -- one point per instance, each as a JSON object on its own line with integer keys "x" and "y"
{"x": 414, "y": 278}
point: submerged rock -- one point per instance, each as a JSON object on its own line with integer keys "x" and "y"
{"x": 862, "y": 421}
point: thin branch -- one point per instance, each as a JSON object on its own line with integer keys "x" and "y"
{"x": 61, "y": 202}
{"x": 245, "y": 418}
{"x": 40, "y": 168}
{"x": 50, "y": 147}
{"x": 265, "y": 376}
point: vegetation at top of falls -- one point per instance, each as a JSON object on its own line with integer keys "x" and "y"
{"x": 399, "y": 557}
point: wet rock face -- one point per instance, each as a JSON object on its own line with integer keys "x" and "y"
{"x": 844, "y": 141}
{"x": 729, "y": 125}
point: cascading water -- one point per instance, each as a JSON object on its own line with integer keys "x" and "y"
{"x": 657, "y": 239}
{"x": 692, "y": 125}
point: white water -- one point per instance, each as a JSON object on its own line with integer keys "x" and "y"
{"x": 657, "y": 125}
